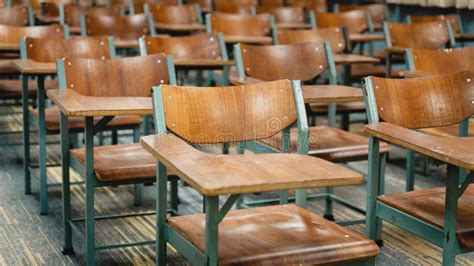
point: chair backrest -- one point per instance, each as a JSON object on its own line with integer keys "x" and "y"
{"x": 377, "y": 12}
{"x": 16, "y": 16}
{"x": 205, "y": 5}
{"x": 49, "y": 49}
{"x": 137, "y": 6}
{"x": 452, "y": 18}
{"x": 72, "y": 13}
{"x": 235, "y": 6}
{"x": 125, "y": 76}
{"x": 199, "y": 46}
{"x": 240, "y": 24}
{"x": 271, "y": 3}
{"x": 120, "y": 27}
{"x": 285, "y": 14}
{"x": 415, "y": 103}
{"x": 336, "y": 36}
{"x": 356, "y": 21}
{"x": 227, "y": 114}
{"x": 14, "y": 34}
{"x": 174, "y": 14}
{"x": 441, "y": 61}
{"x": 431, "y": 35}
{"x": 293, "y": 61}
{"x": 318, "y": 6}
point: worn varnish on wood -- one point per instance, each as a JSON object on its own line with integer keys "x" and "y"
{"x": 241, "y": 24}
{"x": 120, "y": 27}
{"x": 432, "y": 35}
{"x": 14, "y": 16}
{"x": 175, "y": 17}
{"x": 199, "y": 46}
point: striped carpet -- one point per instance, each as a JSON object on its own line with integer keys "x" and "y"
{"x": 27, "y": 238}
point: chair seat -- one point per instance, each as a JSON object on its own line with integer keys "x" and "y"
{"x": 396, "y": 58}
{"x": 428, "y": 206}
{"x": 277, "y": 235}
{"x": 53, "y": 117}
{"x": 13, "y": 87}
{"x": 329, "y": 143}
{"x": 346, "y": 107}
{"x": 121, "y": 162}
{"x": 6, "y": 67}
{"x": 359, "y": 71}
{"x": 448, "y": 131}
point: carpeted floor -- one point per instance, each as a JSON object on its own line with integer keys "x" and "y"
{"x": 26, "y": 238}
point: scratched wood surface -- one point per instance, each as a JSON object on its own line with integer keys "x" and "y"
{"x": 26, "y": 238}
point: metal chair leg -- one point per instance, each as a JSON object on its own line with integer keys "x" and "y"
{"x": 450, "y": 241}
{"x": 410, "y": 174}
{"x": 26, "y": 134}
{"x": 42, "y": 147}
{"x": 373, "y": 189}
{"x": 67, "y": 249}
{"x": 89, "y": 165}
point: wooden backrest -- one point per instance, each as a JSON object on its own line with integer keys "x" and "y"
{"x": 235, "y": 6}
{"x": 121, "y": 27}
{"x": 318, "y": 6}
{"x": 271, "y": 3}
{"x": 138, "y": 4}
{"x": 355, "y": 21}
{"x": 424, "y": 102}
{"x": 294, "y": 61}
{"x": 377, "y": 11}
{"x": 204, "y": 4}
{"x": 13, "y": 34}
{"x": 229, "y": 114}
{"x": 174, "y": 14}
{"x": 443, "y": 61}
{"x": 49, "y": 9}
{"x": 49, "y": 49}
{"x": 73, "y": 13}
{"x": 241, "y": 24}
{"x": 14, "y": 16}
{"x": 452, "y": 18}
{"x": 200, "y": 46}
{"x": 285, "y": 14}
{"x": 431, "y": 35}
{"x": 335, "y": 36}
{"x": 125, "y": 76}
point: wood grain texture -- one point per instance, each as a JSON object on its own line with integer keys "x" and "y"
{"x": 448, "y": 131}
{"x": 13, "y": 87}
{"x": 452, "y": 18}
{"x": 358, "y": 37}
{"x": 355, "y": 21}
{"x": 73, "y": 104}
{"x": 329, "y": 143}
{"x": 213, "y": 174}
{"x": 433, "y": 35}
{"x": 229, "y": 114}
{"x": 428, "y": 205}
{"x": 121, "y": 27}
{"x": 271, "y": 3}
{"x": 318, "y": 6}
{"x": 14, "y": 16}
{"x": 47, "y": 50}
{"x": 354, "y": 59}
{"x": 285, "y": 15}
{"x": 174, "y": 14}
{"x": 425, "y": 102}
{"x": 233, "y": 39}
{"x": 377, "y": 12}
{"x": 454, "y": 150}
{"x": 11, "y": 35}
{"x": 261, "y": 236}
{"x": 296, "y": 62}
{"x": 138, "y": 4}
{"x": 203, "y": 63}
{"x": 116, "y": 77}
{"x": 333, "y": 35}
{"x": 72, "y": 13}
{"x": 443, "y": 61}
{"x": 235, "y": 6}
{"x": 29, "y": 66}
{"x": 241, "y": 24}
{"x": 331, "y": 93}
{"x": 206, "y": 5}
{"x": 199, "y": 46}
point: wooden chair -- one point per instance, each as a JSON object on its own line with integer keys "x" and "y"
{"x": 442, "y": 216}
{"x": 70, "y": 14}
{"x": 287, "y": 17}
{"x": 17, "y": 16}
{"x": 103, "y": 93}
{"x": 318, "y": 6}
{"x": 454, "y": 19}
{"x": 282, "y": 234}
{"x": 432, "y": 35}
{"x": 176, "y": 18}
{"x": 241, "y": 27}
{"x": 378, "y": 12}
{"x": 304, "y": 62}
{"x": 271, "y": 3}
{"x": 137, "y": 6}
{"x": 235, "y": 6}
{"x": 205, "y": 5}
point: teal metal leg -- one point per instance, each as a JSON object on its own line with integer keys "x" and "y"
{"x": 329, "y": 204}
{"x": 450, "y": 241}
{"x": 240, "y": 146}
{"x": 225, "y": 148}
{"x": 114, "y": 137}
{"x": 137, "y": 187}
{"x": 161, "y": 208}
{"x": 212, "y": 226}
{"x": 383, "y": 160}
{"x": 42, "y": 147}
{"x": 90, "y": 230}
{"x": 426, "y": 166}
{"x": 174, "y": 195}
{"x": 26, "y": 134}
{"x": 388, "y": 65}
{"x": 301, "y": 197}
{"x": 67, "y": 249}
{"x": 284, "y": 197}
{"x": 373, "y": 177}
{"x": 410, "y": 185}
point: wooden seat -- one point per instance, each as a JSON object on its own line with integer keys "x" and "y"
{"x": 52, "y": 118}
{"x": 318, "y": 6}
{"x": 73, "y": 13}
{"x": 454, "y": 19}
{"x": 137, "y": 6}
{"x": 428, "y": 205}
{"x": 12, "y": 88}
{"x": 235, "y": 6}
{"x": 205, "y": 5}
{"x": 121, "y": 27}
{"x": 120, "y": 162}
{"x": 176, "y": 17}
{"x": 349, "y": 107}
{"x": 330, "y": 144}
{"x": 278, "y": 235}
{"x": 15, "y": 16}
{"x": 287, "y": 17}
{"x": 271, "y": 3}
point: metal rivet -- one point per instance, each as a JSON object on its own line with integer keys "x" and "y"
{"x": 31, "y": 45}
{"x": 213, "y": 52}
{"x": 381, "y": 108}
{"x": 285, "y": 117}
{"x": 101, "y": 43}
{"x": 159, "y": 61}
{"x": 468, "y": 80}
{"x": 337, "y": 29}
{"x": 170, "y": 97}
{"x": 472, "y": 101}
{"x": 211, "y": 39}
{"x": 173, "y": 125}
{"x": 282, "y": 91}
{"x": 248, "y": 69}
{"x": 57, "y": 30}
{"x": 317, "y": 48}
{"x": 244, "y": 50}
{"x": 148, "y": 42}
{"x": 321, "y": 66}
{"x": 339, "y": 44}
{"x": 103, "y": 57}
{"x": 69, "y": 63}
{"x": 346, "y": 236}
{"x": 162, "y": 81}
{"x": 72, "y": 85}
{"x": 376, "y": 87}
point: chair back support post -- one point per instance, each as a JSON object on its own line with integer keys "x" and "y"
{"x": 345, "y": 33}
{"x": 142, "y": 46}
{"x": 158, "y": 113}
{"x": 62, "y": 19}
{"x": 31, "y": 16}
{"x": 301, "y": 118}
{"x": 151, "y": 24}
{"x": 208, "y": 23}
{"x": 113, "y": 51}
{"x": 238, "y": 61}
{"x": 460, "y": 24}
{"x": 370, "y": 103}
{"x": 273, "y": 28}
{"x": 23, "y": 48}
{"x": 452, "y": 39}
{"x": 312, "y": 20}
{"x": 370, "y": 23}
{"x": 171, "y": 70}
{"x": 331, "y": 64}
{"x": 83, "y": 25}
{"x": 61, "y": 73}
{"x": 131, "y": 7}
{"x": 386, "y": 34}
{"x": 146, "y": 8}
{"x": 223, "y": 47}
{"x": 409, "y": 59}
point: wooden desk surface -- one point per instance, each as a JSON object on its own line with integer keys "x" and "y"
{"x": 205, "y": 63}
{"x": 29, "y": 66}
{"x": 72, "y": 103}
{"x": 75, "y": 30}
{"x": 124, "y": 44}
{"x": 370, "y": 37}
{"x": 245, "y": 173}
{"x": 415, "y": 74}
{"x": 293, "y": 25}
{"x": 15, "y": 47}
{"x": 180, "y": 27}
{"x": 231, "y": 39}
{"x": 331, "y": 93}
{"x": 354, "y": 59}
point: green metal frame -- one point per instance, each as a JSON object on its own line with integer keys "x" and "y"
{"x": 445, "y": 237}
